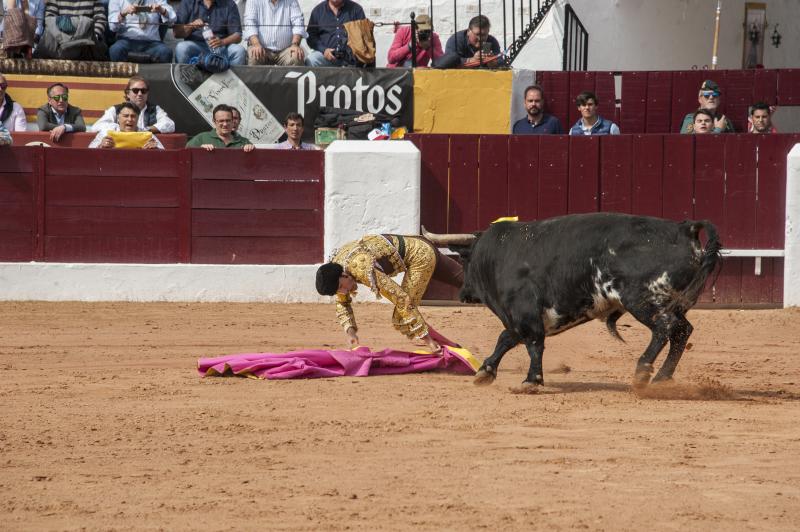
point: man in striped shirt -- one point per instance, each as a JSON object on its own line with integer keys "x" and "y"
{"x": 273, "y": 30}
{"x": 74, "y": 29}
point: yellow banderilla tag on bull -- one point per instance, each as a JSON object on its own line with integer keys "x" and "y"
{"x": 507, "y": 219}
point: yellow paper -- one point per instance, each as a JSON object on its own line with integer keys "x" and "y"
{"x": 507, "y": 219}
{"x": 130, "y": 139}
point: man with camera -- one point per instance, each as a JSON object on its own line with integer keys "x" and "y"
{"x": 472, "y": 47}
{"x": 327, "y": 36}
{"x": 429, "y": 47}
{"x": 137, "y": 23}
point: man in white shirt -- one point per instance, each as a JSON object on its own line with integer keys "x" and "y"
{"x": 151, "y": 117}
{"x": 273, "y": 31}
{"x": 126, "y": 122}
{"x": 12, "y": 115}
{"x": 136, "y": 23}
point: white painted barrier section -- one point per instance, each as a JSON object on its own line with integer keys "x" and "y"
{"x": 370, "y": 187}
{"x": 44, "y": 281}
{"x": 791, "y": 246}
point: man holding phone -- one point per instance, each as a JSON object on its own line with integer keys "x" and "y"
{"x": 472, "y": 47}
{"x": 429, "y": 46}
{"x": 137, "y": 23}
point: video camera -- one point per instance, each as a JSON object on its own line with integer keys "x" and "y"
{"x": 424, "y": 35}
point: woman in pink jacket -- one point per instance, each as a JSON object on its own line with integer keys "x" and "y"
{"x": 429, "y": 47}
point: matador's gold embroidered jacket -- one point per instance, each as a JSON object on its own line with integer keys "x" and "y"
{"x": 372, "y": 261}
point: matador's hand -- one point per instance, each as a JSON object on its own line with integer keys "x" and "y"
{"x": 352, "y": 337}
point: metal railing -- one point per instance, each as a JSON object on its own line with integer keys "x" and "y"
{"x": 576, "y": 42}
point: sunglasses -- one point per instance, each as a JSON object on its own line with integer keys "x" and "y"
{"x": 709, "y": 94}
{"x": 3, "y": 86}
{"x": 139, "y": 91}
{"x": 60, "y": 97}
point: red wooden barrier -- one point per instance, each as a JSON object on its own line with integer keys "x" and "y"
{"x": 256, "y": 208}
{"x": 172, "y": 141}
{"x": 81, "y": 205}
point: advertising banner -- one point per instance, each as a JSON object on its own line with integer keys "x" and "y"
{"x": 265, "y": 95}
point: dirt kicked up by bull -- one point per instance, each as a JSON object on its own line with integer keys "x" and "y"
{"x": 542, "y": 278}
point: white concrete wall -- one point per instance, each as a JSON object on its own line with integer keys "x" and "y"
{"x": 370, "y": 187}
{"x": 791, "y": 262}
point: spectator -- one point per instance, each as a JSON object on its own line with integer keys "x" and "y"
{"x": 137, "y": 24}
{"x": 222, "y": 136}
{"x": 294, "y": 126}
{"x": 57, "y": 116}
{"x": 709, "y": 98}
{"x": 537, "y": 122}
{"x": 237, "y": 119}
{"x": 151, "y": 117}
{"x": 17, "y": 39}
{"x": 5, "y": 136}
{"x": 222, "y": 17}
{"x": 12, "y": 115}
{"x": 471, "y": 47}
{"x": 760, "y": 120}
{"x": 702, "y": 122}
{"x": 590, "y": 123}
{"x": 327, "y": 37}
{"x": 273, "y": 31}
{"x": 127, "y": 122}
{"x": 429, "y": 46}
{"x": 74, "y": 29}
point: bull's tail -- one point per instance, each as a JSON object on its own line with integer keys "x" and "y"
{"x": 611, "y": 325}
{"x": 709, "y": 260}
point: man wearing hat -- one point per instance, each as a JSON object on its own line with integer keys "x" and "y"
{"x": 373, "y": 261}
{"x": 429, "y": 46}
{"x": 709, "y": 98}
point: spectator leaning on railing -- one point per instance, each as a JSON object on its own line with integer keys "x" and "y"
{"x": 74, "y": 29}
{"x": 152, "y": 117}
{"x": 127, "y": 119}
{"x": 222, "y": 17}
{"x": 57, "y": 116}
{"x": 12, "y": 115}
{"x": 273, "y": 31}
{"x": 137, "y": 23}
{"x": 223, "y": 135}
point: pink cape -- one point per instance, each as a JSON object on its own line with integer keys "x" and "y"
{"x": 359, "y": 362}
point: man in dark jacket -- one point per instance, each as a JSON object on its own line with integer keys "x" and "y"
{"x": 57, "y": 116}
{"x": 327, "y": 36}
{"x": 471, "y": 47}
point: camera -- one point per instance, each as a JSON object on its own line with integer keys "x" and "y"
{"x": 424, "y": 35}
{"x": 340, "y": 51}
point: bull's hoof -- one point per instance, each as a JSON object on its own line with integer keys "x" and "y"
{"x": 642, "y": 377}
{"x": 661, "y": 378}
{"x": 484, "y": 377}
{"x": 526, "y": 387}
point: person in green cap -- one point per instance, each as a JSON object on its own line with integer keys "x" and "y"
{"x": 709, "y": 98}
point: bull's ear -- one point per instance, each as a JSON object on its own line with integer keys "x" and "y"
{"x": 463, "y": 251}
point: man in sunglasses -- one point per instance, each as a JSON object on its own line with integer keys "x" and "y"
{"x": 57, "y": 116}
{"x": 12, "y": 115}
{"x": 151, "y": 117}
{"x": 709, "y": 99}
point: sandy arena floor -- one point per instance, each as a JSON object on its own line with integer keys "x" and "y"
{"x": 108, "y": 427}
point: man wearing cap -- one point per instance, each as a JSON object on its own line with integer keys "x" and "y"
{"x": 373, "y": 261}
{"x": 429, "y": 46}
{"x": 709, "y": 98}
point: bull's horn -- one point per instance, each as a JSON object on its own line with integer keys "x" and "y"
{"x": 461, "y": 239}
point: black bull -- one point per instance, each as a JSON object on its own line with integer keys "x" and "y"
{"x": 542, "y": 278}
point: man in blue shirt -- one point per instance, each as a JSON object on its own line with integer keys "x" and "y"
{"x": 471, "y": 47}
{"x": 591, "y": 123}
{"x": 327, "y": 38}
{"x": 537, "y": 122}
{"x": 222, "y": 16}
